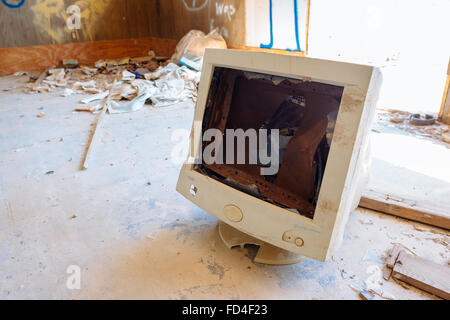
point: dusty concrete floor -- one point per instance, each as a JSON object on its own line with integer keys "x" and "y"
{"x": 135, "y": 240}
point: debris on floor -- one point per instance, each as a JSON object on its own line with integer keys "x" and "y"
{"x": 137, "y": 81}
{"x": 374, "y": 283}
{"x": 67, "y": 92}
{"x": 418, "y": 272}
{"x": 104, "y": 107}
{"x": 425, "y": 119}
{"x": 446, "y": 137}
{"x": 285, "y": 280}
{"x": 372, "y": 286}
{"x": 149, "y": 79}
{"x": 191, "y": 48}
{"x": 423, "y": 125}
{"x": 159, "y": 81}
{"x": 363, "y": 292}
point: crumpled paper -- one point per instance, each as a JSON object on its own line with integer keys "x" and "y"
{"x": 166, "y": 86}
{"x": 144, "y": 90}
{"x": 179, "y": 84}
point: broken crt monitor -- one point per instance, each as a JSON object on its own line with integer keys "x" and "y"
{"x": 278, "y": 148}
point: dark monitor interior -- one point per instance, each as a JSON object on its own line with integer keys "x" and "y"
{"x": 304, "y": 112}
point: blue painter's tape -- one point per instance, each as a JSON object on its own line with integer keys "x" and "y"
{"x": 270, "y": 45}
{"x": 297, "y": 31}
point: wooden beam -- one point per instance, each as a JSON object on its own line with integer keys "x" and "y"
{"x": 307, "y": 27}
{"x": 42, "y": 57}
{"x": 278, "y": 51}
{"x": 425, "y": 212}
{"x": 98, "y": 126}
{"x": 40, "y": 79}
{"x": 37, "y": 58}
{"x": 423, "y": 274}
{"x": 444, "y": 114}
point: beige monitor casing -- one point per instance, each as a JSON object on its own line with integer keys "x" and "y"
{"x": 345, "y": 173}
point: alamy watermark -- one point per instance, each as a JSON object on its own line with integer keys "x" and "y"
{"x": 228, "y": 147}
{"x": 73, "y": 22}
{"x": 73, "y": 281}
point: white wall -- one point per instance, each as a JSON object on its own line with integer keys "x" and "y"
{"x": 411, "y": 34}
{"x": 408, "y": 38}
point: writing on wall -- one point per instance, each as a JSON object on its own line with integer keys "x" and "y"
{"x": 195, "y": 5}
{"x": 13, "y": 4}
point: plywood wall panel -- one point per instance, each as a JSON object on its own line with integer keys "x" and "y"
{"x": 43, "y": 22}
{"x": 44, "y": 56}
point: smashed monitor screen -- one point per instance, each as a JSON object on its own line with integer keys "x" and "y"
{"x": 269, "y": 136}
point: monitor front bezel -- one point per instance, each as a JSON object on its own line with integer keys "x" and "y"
{"x": 342, "y": 178}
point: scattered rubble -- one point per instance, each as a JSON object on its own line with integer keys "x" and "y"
{"x": 149, "y": 79}
{"x": 409, "y": 122}
{"x": 159, "y": 81}
{"x": 67, "y": 92}
{"x": 191, "y": 48}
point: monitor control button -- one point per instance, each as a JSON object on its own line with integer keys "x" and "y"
{"x": 294, "y": 237}
{"x": 233, "y": 213}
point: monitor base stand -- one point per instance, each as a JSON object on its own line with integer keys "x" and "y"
{"x": 267, "y": 253}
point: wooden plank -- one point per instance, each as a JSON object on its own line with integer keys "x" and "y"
{"x": 444, "y": 114}
{"x": 423, "y": 274}
{"x": 98, "y": 126}
{"x": 42, "y": 57}
{"x": 429, "y": 213}
{"x": 36, "y": 58}
{"x": 278, "y": 51}
{"x": 307, "y": 26}
{"x": 40, "y": 79}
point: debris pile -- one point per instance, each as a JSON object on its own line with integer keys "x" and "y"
{"x": 191, "y": 48}
{"x": 159, "y": 81}
{"x": 421, "y": 125}
{"x": 127, "y": 84}
{"x": 142, "y": 80}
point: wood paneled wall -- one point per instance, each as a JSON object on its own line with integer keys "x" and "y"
{"x": 43, "y": 22}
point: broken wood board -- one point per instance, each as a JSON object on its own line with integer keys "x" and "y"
{"x": 42, "y": 57}
{"x": 98, "y": 126}
{"x": 426, "y": 212}
{"x": 40, "y": 79}
{"x": 391, "y": 260}
{"x": 423, "y": 274}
